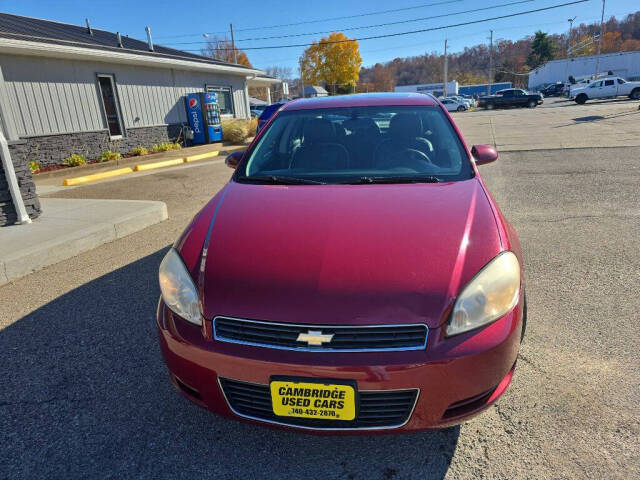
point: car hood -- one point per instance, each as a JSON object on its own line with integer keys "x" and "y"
{"x": 343, "y": 254}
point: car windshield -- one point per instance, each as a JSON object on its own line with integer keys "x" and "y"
{"x": 387, "y": 144}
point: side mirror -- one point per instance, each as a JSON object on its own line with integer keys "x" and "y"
{"x": 484, "y": 154}
{"x": 233, "y": 159}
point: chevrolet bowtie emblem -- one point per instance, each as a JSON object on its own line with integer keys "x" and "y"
{"x": 314, "y": 337}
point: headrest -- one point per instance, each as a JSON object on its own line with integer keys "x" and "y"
{"x": 361, "y": 125}
{"x": 319, "y": 130}
{"x": 405, "y": 125}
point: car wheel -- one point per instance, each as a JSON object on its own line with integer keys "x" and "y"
{"x": 635, "y": 95}
{"x": 532, "y": 104}
{"x": 581, "y": 99}
{"x": 461, "y": 108}
{"x": 489, "y": 106}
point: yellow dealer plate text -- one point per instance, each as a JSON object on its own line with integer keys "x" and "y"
{"x": 313, "y": 400}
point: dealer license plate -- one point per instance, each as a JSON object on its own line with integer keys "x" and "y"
{"x": 313, "y": 400}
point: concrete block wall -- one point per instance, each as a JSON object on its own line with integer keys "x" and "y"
{"x": 53, "y": 149}
{"x": 8, "y": 214}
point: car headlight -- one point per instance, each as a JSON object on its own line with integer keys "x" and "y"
{"x": 178, "y": 290}
{"x": 491, "y": 294}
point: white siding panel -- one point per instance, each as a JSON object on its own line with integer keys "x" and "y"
{"x": 50, "y": 96}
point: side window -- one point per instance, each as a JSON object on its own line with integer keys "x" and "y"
{"x": 508, "y": 93}
{"x": 595, "y": 85}
{"x": 620, "y": 81}
{"x": 608, "y": 83}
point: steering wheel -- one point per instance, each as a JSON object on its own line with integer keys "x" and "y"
{"x": 406, "y": 157}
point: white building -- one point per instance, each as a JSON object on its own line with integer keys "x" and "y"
{"x": 623, "y": 64}
{"x": 436, "y": 89}
{"x": 73, "y": 89}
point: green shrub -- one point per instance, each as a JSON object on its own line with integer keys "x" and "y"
{"x": 34, "y": 166}
{"x": 139, "y": 151}
{"x": 236, "y": 131}
{"x": 74, "y": 160}
{"x": 165, "y": 147}
{"x": 109, "y": 155}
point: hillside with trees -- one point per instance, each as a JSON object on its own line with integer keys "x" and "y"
{"x": 512, "y": 60}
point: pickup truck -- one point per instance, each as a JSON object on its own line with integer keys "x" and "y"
{"x": 606, "y": 88}
{"x": 511, "y": 97}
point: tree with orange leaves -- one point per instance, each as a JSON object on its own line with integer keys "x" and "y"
{"x": 334, "y": 61}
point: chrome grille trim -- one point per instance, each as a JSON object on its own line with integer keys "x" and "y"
{"x": 305, "y": 327}
{"x": 307, "y": 427}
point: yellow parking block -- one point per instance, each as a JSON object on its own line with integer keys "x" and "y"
{"x": 68, "y": 182}
{"x": 202, "y": 156}
{"x": 151, "y": 166}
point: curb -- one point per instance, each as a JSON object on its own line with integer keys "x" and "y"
{"x": 193, "y": 158}
{"x": 154, "y": 165}
{"x": 55, "y": 248}
{"x": 68, "y": 182}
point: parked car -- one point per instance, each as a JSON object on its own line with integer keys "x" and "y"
{"x": 606, "y": 88}
{"x": 553, "y": 90}
{"x": 256, "y": 111}
{"x": 511, "y": 97}
{"x": 470, "y": 99}
{"x": 353, "y": 275}
{"x": 267, "y": 113}
{"x": 460, "y": 99}
{"x": 453, "y": 106}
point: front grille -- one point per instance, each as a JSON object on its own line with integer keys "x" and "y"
{"x": 376, "y": 409}
{"x": 345, "y": 338}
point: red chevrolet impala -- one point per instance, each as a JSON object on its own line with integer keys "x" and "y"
{"x": 354, "y": 274}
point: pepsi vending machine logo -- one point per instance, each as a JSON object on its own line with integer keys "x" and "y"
{"x": 193, "y": 104}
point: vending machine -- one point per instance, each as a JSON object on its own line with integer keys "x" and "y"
{"x": 204, "y": 116}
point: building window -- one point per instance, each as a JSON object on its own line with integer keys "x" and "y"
{"x": 110, "y": 106}
{"x": 225, "y": 99}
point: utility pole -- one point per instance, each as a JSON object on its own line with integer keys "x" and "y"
{"x": 490, "y": 63}
{"x": 446, "y": 69}
{"x": 233, "y": 45}
{"x": 600, "y": 41}
{"x": 566, "y": 70}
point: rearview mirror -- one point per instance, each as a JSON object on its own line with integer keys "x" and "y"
{"x": 233, "y": 159}
{"x": 484, "y": 154}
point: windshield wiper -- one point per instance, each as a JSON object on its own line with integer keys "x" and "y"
{"x": 279, "y": 180}
{"x": 398, "y": 179}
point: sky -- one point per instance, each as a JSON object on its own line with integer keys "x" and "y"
{"x": 182, "y": 24}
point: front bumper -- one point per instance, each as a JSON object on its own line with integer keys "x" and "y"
{"x": 457, "y": 377}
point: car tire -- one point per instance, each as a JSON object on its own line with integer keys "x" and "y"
{"x": 461, "y": 109}
{"x": 635, "y": 95}
{"x": 489, "y": 106}
{"x": 581, "y": 99}
{"x": 532, "y": 104}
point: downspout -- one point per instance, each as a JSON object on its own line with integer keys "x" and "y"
{"x": 14, "y": 189}
{"x": 247, "y": 105}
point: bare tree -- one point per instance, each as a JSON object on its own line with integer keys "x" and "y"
{"x": 221, "y": 49}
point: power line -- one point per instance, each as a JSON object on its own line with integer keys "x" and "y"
{"x": 307, "y": 22}
{"x": 411, "y": 32}
{"x": 457, "y": 37}
{"x": 412, "y": 20}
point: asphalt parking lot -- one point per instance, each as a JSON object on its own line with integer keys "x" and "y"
{"x": 85, "y": 392}
{"x": 557, "y": 123}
